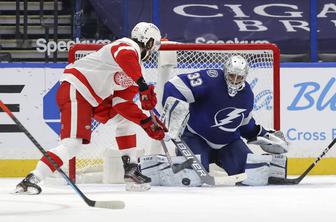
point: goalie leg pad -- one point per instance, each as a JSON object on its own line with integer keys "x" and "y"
{"x": 186, "y": 177}
{"x": 157, "y": 168}
{"x": 149, "y": 166}
{"x": 278, "y": 166}
{"x": 257, "y": 169}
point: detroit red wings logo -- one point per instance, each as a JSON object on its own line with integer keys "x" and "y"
{"x": 123, "y": 80}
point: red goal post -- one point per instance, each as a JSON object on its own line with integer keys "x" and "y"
{"x": 175, "y": 58}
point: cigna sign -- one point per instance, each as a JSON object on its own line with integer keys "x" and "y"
{"x": 289, "y": 15}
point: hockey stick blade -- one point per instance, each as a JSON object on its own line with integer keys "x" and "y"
{"x": 283, "y": 181}
{"x": 109, "y": 204}
{"x": 178, "y": 167}
{"x": 115, "y": 204}
{"x": 91, "y": 203}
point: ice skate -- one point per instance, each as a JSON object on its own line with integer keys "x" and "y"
{"x": 134, "y": 179}
{"x": 28, "y": 186}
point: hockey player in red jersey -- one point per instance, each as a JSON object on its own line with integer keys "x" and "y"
{"x": 102, "y": 85}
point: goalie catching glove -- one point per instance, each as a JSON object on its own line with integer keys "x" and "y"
{"x": 271, "y": 142}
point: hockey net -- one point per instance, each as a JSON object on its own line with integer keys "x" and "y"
{"x": 173, "y": 59}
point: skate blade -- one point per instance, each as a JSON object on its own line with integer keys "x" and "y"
{"x": 136, "y": 187}
{"x": 29, "y": 191}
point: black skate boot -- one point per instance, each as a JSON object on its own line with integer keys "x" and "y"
{"x": 28, "y": 185}
{"x": 134, "y": 180}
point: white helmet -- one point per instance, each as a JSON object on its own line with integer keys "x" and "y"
{"x": 143, "y": 32}
{"x": 236, "y": 70}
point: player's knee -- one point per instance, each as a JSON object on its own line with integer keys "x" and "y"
{"x": 125, "y": 129}
{"x": 233, "y": 157}
{"x": 123, "y": 126}
{"x": 69, "y": 148}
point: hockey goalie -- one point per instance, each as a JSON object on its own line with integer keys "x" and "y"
{"x": 211, "y": 112}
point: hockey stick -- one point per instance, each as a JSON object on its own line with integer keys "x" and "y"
{"x": 91, "y": 203}
{"x": 205, "y": 177}
{"x": 175, "y": 167}
{"x": 196, "y": 164}
{"x": 285, "y": 181}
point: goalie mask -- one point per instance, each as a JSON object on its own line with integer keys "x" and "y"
{"x": 149, "y": 35}
{"x": 236, "y": 70}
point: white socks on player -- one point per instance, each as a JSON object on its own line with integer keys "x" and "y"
{"x": 132, "y": 153}
{"x": 68, "y": 148}
{"x": 42, "y": 171}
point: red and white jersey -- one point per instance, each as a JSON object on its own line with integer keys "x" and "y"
{"x": 114, "y": 67}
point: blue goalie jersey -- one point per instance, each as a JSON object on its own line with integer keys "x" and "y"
{"x": 215, "y": 116}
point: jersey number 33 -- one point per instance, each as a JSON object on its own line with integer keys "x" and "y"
{"x": 195, "y": 79}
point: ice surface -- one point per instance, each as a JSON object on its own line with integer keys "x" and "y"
{"x": 312, "y": 200}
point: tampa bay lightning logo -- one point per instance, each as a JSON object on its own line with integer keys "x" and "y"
{"x": 229, "y": 119}
{"x": 212, "y": 73}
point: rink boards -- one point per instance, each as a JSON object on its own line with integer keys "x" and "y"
{"x": 307, "y": 101}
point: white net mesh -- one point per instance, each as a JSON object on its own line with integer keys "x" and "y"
{"x": 168, "y": 63}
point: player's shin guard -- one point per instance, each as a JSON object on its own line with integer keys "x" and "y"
{"x": 134, "y": 179}
{"x": 29, "y": 185}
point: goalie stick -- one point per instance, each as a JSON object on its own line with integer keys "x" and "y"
{"x": 287, "y": 181}
{"x": 205, "y": 177}
{"x": 91, "y": 203}
{"x": 175, "y": 167}
{"x": 197, "y": 166}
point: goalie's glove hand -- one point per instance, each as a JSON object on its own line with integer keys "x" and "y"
{"x": 271, "y": 142}
{"x": 147, "y": 95}
{"x": 155, "y": 130}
